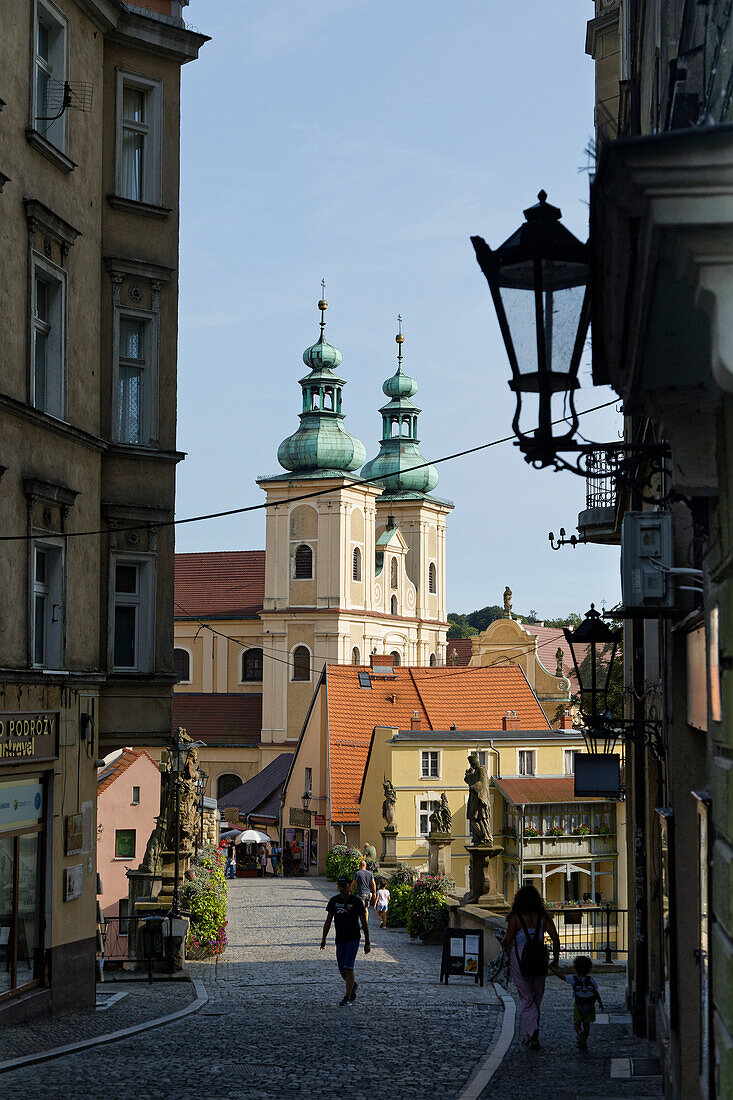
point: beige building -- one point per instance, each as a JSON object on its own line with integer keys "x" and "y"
{"x": 89, "y": 173}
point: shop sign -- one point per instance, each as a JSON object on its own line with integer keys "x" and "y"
{"x": 29, "y": 735}
{"x": 320, "y": 819}
{"x": 21, "y": 804}
{"x": 300, "y": 818}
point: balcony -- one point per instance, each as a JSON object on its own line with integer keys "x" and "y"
{"x": 593, "y": 845}
{"x": 597, "y": 522}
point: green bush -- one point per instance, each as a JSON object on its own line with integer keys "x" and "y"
{"x": 428, "y": 913}
{"x": 205, "y": 896}
{"x": 342, "y": 860}
{"x": 405, "y": 875}
{"x": 398, "y": 911}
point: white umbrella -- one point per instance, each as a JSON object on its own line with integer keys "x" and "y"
{"x": 252, "y": 836}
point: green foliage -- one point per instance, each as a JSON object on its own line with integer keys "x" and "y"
{"x": 571, "y": 621}
{"x": 342, "y": 860}
{"x": 428, "y": 916}
{"x": 405, "y": 875}
{"x": 399, "y": 905}
{"x": 205, "y": 896}
{"x": 460, "y": 628}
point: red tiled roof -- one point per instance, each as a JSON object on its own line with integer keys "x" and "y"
{"x": 549, "y": 638}
{"x": 226, "y": 583}
{"x": 473, "y": 698}
{"x": 107, "y": 775}
{"x": 522, "y": 790}
{"x": 234, "y": 719}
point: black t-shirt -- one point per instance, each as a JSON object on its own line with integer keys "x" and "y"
{"x": 346, "y": 914}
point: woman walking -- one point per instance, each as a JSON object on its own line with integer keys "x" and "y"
{"x": 527, "y": 925}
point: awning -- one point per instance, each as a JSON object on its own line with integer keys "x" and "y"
{"x": 525, "y": 790}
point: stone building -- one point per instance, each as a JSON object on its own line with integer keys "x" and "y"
{"x": 89, "y": 174}
{"x": 354, "y": 564}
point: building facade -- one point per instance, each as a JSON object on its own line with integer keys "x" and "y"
{"x": 89, "y": 231}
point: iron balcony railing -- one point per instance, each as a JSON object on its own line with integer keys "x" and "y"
{"x": 598, "y": 931}
{"x": 600, "y": 491}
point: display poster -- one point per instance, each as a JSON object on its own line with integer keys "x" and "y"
{"x": 21, "y": 804}
{"x": 463, "y": 955}
{"x": 73, "y": 834}
{"x": 73, "y": 882}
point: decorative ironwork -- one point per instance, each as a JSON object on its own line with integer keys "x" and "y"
{"x": 572, "y": 540}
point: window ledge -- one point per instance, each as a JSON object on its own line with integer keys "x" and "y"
{"x": 140, "y": 450}
{"x": 132, "y": 206}
{"x": 123, "y": 859}
{"x": 41, "y": 145}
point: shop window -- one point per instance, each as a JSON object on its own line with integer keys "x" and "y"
{"x": 429, "y": 764}
{"x": 21, "y": 885}
{"x": 124, "y": 843}
{"x": 48, "y": 606}
{"x": 526, "y": 761}
{"x": 356, "y": 564}
{"x": 182, "y": 665}
{"x": 301, "y": 663}
{"x": 303, "y": 562}
{"x": 252, "y": 665}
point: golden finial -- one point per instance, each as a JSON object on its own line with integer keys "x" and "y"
{"x": 323, "y": 305}
{"x": 400, "y": 339}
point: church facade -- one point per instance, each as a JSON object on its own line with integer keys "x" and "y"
{"x": 354, "y": 564}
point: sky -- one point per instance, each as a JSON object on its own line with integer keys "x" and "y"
{"x": 364, "y": 143}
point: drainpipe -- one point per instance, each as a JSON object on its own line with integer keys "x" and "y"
{"x": 343, "y": 834}
{"x": 498, "y": 758}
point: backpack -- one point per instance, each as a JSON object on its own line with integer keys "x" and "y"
{"x": 534, "y": 962}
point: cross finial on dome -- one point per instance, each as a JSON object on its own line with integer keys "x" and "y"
{"x": 323, "y": 305}
{"x": 400, "y": 341}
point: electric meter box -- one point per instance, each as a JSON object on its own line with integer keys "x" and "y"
{"x": 646, "y": 557}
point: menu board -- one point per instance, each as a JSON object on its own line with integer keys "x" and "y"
{"x": 463, "y": 954}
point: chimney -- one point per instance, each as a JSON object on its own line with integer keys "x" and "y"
{"x": 415, "y": 721}
{"x": 566, "y": 722}
{"x": 510, "y": 721}
{"x": 453, "y": 726}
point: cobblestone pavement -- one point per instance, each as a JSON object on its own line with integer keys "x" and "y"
{"x": 560, "y": 1071}
{"x": 272, "y": 1027}
{"x": 140, "y": 1003}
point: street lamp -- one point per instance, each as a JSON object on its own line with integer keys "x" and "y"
{"x": 593, "y": 668}
{"x": 306, "y": 800}
{"x": 201, "y": 781}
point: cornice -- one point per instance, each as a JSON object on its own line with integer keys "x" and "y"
{"x": 155, "y": 34}
{"x": 51, "y": 424}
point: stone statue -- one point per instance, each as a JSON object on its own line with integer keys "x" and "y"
{"x": 478, "y": 810}
{"x": 436, "y": 821}
{"x": 390, "y": 801}
{"x": 453, "y": 658}
{"x": 446, "y": 817}
{"x": 559, "y": 662}
{"x": 508, "y": 602}
{"x": 163, "y": 836}
{"x": 156, "y": 840}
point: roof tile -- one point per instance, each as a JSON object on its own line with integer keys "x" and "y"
{"x": 107, "y": 775}
{"x": 233, "y": 719}
{"x": 227, "y": 583}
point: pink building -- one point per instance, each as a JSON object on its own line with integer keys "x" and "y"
{"x": 128, "y": 802}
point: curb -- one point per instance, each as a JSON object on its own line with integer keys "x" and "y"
{"x": 486, "y": 1069}
{"x": 70, "y": 1048}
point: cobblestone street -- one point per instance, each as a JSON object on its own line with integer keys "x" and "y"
{"x": 272, "y": 1027}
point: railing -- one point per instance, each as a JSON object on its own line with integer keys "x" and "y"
{"x": 598, "y": 931}
{"x": 600, "y": 492}
{"x": 121, "y": 943}
{"x": 560, "y": 847}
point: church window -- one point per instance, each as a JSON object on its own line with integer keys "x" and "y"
{"x": 433, "y": 662}
{"x": 396, "y": 659}
{"x": 432, "y": 578}
{"x": 182, "y": 666}
{"x": 355, "y": 656}
{"x": 393, "y": 573}
{"x": 393, "y": 605}
{"x": 301, "y": 663}
{"x": 252, "y": 665}
{"x": 356, "y": 564}
{"x": 303, "y": 562}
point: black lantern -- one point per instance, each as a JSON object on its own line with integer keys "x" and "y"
{"x": 539, "y": 283}
{"x": 593, "y": 647}
{"x": 306, "y": 800}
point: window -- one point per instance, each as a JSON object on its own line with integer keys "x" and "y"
{"x": 432, "y": 578}
{"x": 50, "y": 75}
{"x": 308, "y": 779}
{"x": 483, "y": 757}
{"x": 396, "y": 659}
{"x": 48, "y": 606}
{"x": 182, "y": 665}
{"x": 225, "y": 784}
{"x": 136, "y": 796}
{"x": 526, "y": 761}
{"x": 22, "y": 875}
{"x": 425, "y": 808}
{"x": 252, "y": 665}
{"x": 303, "y": 562}
{"x": 570, "y": 756}
{"x": 133, "y": 357}
{"x": 432, "y": 661}
{"x": 48, "y": 345}
{"x": 355, "y": 656}
{"x": 393, "y": 605}
{"x": 139, "y": 129}
{"x": 131, "y": 644}
{"x": 124, "y": 843}
{"x": 429, "y": 765}
{"x": 301, "y": 663}
{"x": 356, "y": 564}
{"x": 393, "y": 573}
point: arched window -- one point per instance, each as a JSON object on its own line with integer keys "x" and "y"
{"x": 252, "y": 664}
{"x": 393, "y": 605}
{"x": 356, "y": 564}
{"x": 182, "y": 665}
{"x": 225, "y": 784}
{"x": 396, "y": 659}
{"x": 301, "y": 663}
{"x": 433, "y": 662}
{"x": 355, "y": 656}
{"x": 303, "y": 562}
{"x": 432, "y": 578}
{"x": 393, "y": 573}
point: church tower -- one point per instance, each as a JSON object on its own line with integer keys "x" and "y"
{"x": 406, "y": 502}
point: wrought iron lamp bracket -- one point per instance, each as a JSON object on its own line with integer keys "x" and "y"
{"x": 573, "y": 540}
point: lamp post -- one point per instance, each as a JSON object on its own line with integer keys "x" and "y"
{"x": 306, "y": 800}
{"x": 593, "y": 668}
{"x": 176, "y": 773}
{"x": 201, "y": 782}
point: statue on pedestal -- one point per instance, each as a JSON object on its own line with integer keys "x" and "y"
{"x": 436, "y": 824}
{"x": 446, "y": 817}
{"x": 507, "y": 602}
{"x": 478, "y": 810}
{"x": 390, "y": 801}
{"x": 559, "y": 662}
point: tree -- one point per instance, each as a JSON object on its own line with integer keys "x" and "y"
{"x": 460, "y": 627}
{"x": 571, "y": 621}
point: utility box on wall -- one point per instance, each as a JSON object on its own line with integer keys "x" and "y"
{"x": 646, "y": 558}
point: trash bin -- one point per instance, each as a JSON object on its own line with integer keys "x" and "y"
{"x": 153, "y": 945}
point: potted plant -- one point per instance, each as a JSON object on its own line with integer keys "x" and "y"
{"x": 556, "y": 830}
{"x": 605, "y": 829}
{"x": 509, "y": 830}
{"x": 581, "y": 830}
{"x": 531, "y": 831}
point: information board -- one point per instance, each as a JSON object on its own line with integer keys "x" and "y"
{"x": 463, "y": 954}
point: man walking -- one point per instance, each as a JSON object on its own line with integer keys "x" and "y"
{"x": 365, "y": 887}
{"x": 370, "y": 853}
{"x": 347, "y": 910}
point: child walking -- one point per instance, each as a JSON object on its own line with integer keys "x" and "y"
{"x": 585, "y": 993}
{"x": 382, "y": 903}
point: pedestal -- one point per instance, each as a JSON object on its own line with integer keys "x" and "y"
{"x": 484, "y": 877}
{"x": 439, "y": 854}
{"x": 388, "y": 857}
